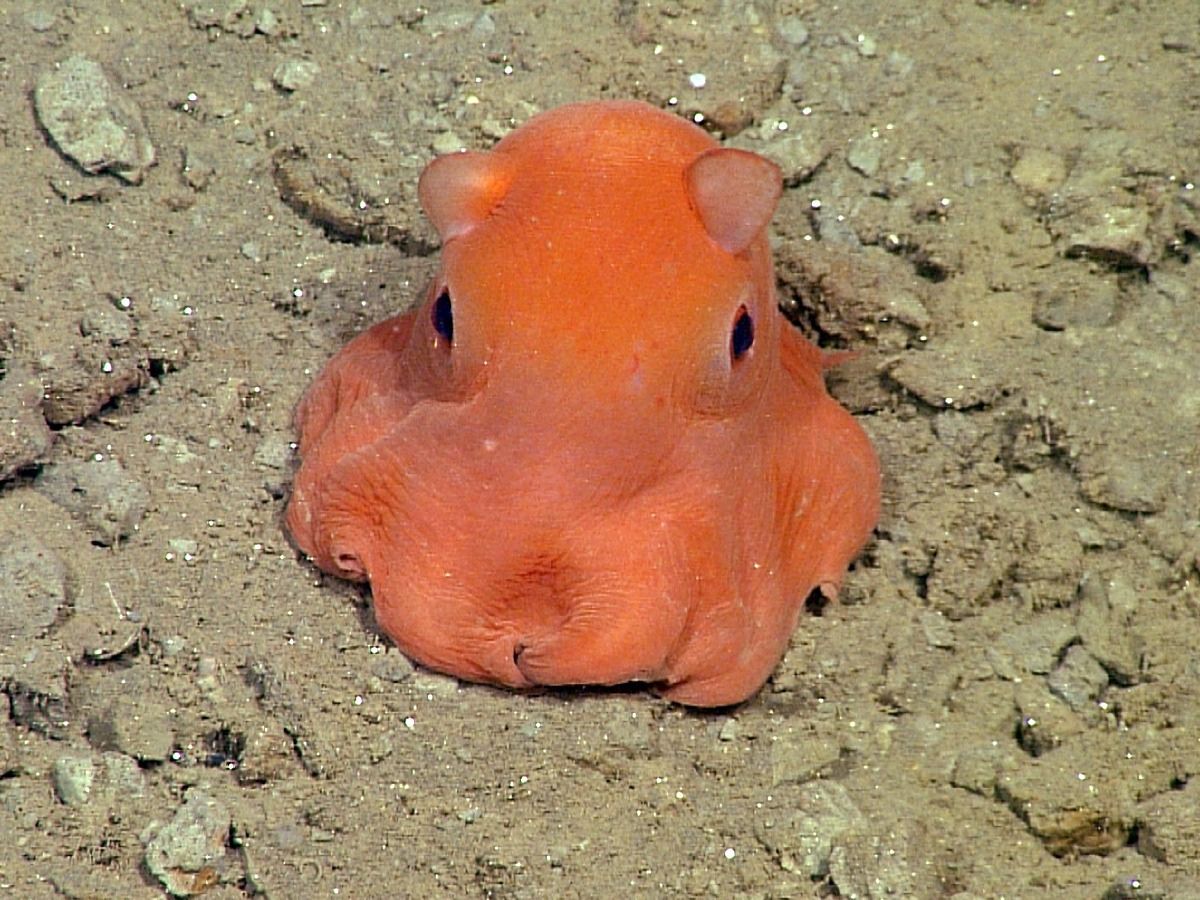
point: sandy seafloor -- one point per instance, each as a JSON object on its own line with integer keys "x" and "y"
{"x": 993, "y": 202}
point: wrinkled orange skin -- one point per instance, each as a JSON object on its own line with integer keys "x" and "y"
{"x": 584, "y": 487}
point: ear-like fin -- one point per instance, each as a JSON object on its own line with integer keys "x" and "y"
{"x": 734, "y": 192}
{"x": 459, "y": 190}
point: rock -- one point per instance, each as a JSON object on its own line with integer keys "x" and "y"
{"x": 1116, "y": 235}
{"x": 1043, "y": 721}
{"x": 73, "y": 777}
{"x": 948, "y": 377}
{"x": 122, "y": 777}
{"x": 1071, "y": 809}
{"x": 136, "y": 723}
{"x": 792, "y": 30}
{"x": 803, "y": 841}
{"x": 100, "y": 494}
{"x": 864, "y": 155}
{"x": 197, "y": 169}
{"x": 1116, "y": 478}
{"x": 10, "y": 760}
{"x": 729, "y": 730}
{"x": 190, "y": 849}
{"x": 878, "y": 867}
{"x": 801, "y": 756}
{"x": 273, "y": 452}
{"x": 41, "y": 19}
{"x": 796, "y": 151}
{"x": 1142, "y": 886}
{"x": 1107, "y": 608}
{"x": 1076, "y": 304}
{"x": 1078, "y": 679}
{"x": 232, "y": 16}
{"x": 33, "y": 588}
{"x": 293, "y": 74}
{"x": 280, "y": 699}
{"x": 268, "y": 754}
{"x": 446, "y": 21}
{"x": 1170, "y": 831}
{"x": 93, "y": 124}
{"x": 82, "y": 780}
{"x": 391, "y": 666}
{"x": 976, "y": 769}
{"x": 1033, "y": 648}
{"x": 1039, "y": 172}
{"x": 107, "y": 357}
{"x": 37, "y": 689}
{"x": 25, "y": 437}
{"x": 937, "y": 629}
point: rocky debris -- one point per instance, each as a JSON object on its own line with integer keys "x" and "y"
{"x": 966, "y": 576}
{"x": 1119, "y": 478}
{"x": 1077, "y": 303}
{"x": 391, "y": 667}
{"x": 25, "y": 438}
{"x": 799, "y": 756}
{"x": 1107, "y": 613}
{"x": 865, "y": 154}
{"x": 338, "y": 196}
{"x": 804, "y": 838}
{"x": 100, "y": 494}
{"x": 1032, "y": 648}
{"x": 1039, "y": 172}
{"x": 1170, "y": 830}
{"x": 10, "y": 760}
{"x": 798, "y": 153}
{"x": 878, "y": 867}
{"x": 1079, "y": 679}
{"x": 1044, "y": 722}
{"x": 1117, "y": 235}
{"x": 197, "y": 169}
{"x": 235, "y": 17}
{"x": 1111, "y": 208}
{"x": 1068, "y": 808}
{"x": 948, "y": 377}
{"x": 188, "y": 854}
{"x": 293, "y": 74}
{"x": 72, "y": 777}
{"x": 106, "y": 359}
{"x": 136, "y": 722}
{"x": 92, "y": 123}
{"x": 846, "y": 293}
{"x": 37, "y": 691}
{"x": 116, "y": 345}
{"x": 280, "y": 700}
{"x": 977, "y": 768}
{"x": 267, "y": 755}
{"x": 87, "y": 780}
{"x": 33, "y": 588}
{"x": 622, "y": 733}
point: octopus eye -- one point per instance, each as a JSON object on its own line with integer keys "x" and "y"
{"x": 741, "y": 339}
{"x": 442, "y": 315}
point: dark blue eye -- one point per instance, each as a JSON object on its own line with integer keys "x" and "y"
{"x": 443, "y": 316}
{"x": 742, "y": 337}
